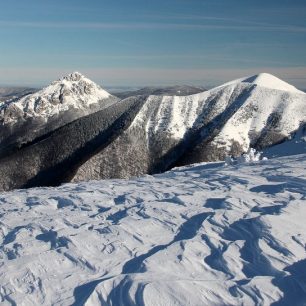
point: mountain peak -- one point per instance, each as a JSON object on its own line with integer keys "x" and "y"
{"x": 270, "y": 81}
{"x": 265, "y": 80}
{"x": 74, "y": 77}
{"x": 77, "y": 87}
{"x": 71, "y": 91}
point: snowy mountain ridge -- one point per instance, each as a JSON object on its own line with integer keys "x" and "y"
{"x": 224, "y": 121}
{"x": 265, "y": 109}
{"x": 178, "y": 114}
{"x": 147, "y": 134}
{"x": 265, "y": 80}
{"x": 24, "y": 119}
{"x": 71, "y": 91}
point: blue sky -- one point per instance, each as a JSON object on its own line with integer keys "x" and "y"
{"x": 133, "y": 42}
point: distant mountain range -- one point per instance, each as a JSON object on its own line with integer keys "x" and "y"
{"x": 179, "y": 90}
{"x": 73, "y": 130}
{"x": 7, "y": 93}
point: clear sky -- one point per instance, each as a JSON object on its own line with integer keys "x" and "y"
{"x": 142, "y": 42}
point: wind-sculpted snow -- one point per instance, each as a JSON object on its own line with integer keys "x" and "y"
{"x": 207, "y": 234}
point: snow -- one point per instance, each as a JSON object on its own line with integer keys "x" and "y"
{"x": 208, "y": 126}
{"x": 265, "y": 80}
{"x": 261, "y": 100}
{"x": 206, "y": 234}
{"x": 294, "y": 146}
{"x": 250, "y": 156}
{"x": 72, "y": 91}
{"x": 257, "y": 112}
{"x": 171, "y": 114}
{"x": 270, "y": 81}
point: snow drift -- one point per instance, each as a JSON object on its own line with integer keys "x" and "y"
{"x": 206, "y": 234}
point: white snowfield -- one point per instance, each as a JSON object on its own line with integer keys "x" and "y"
{"x": 207, "y": 234}
{"x": 71, "y": 91}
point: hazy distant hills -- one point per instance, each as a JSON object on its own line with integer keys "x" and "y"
{"x": 73, "y": 130}
{"x": 7, "y": 93}
{"x": 179, "y": 90}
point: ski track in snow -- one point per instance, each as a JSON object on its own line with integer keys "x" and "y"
{"x": 207, "y": 234}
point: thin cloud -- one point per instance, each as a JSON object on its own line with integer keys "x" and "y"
{"x": 153, "y": 57}
{"x": 230, "y": 22}
{"x": 150, "y": 26}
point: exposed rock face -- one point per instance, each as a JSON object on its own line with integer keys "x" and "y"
{"x": 71, "y": 97}
{"x": 152, "y": 134}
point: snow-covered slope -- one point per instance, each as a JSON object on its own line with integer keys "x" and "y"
{"x": 207, "y": 234}
{"x": 71, "y": 91}
{"x": 257, "y": 112}
{"x": 293, "y": 146}
{"x": 266, "y": 80}
{"x": 159, "y": 126}
{"x": 55, "y": 157}
{"x": 265, "y": 110}
{"x": 22, "y": 120}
